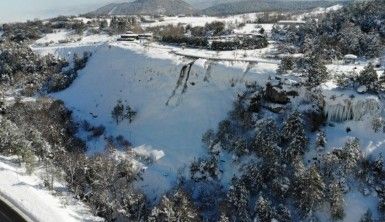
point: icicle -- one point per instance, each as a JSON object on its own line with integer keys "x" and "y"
{"x": 352, "y": 109}
{"x": 207, "y": 66}
{"x": 250, "y": 65}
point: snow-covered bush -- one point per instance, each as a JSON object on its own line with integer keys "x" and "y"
{"x": 377, "y": 123}
{"x": 175, "y": 207}
{"x": 368, "y": 77}
{"x": 348, "y": 31}
{"x": 316, "y": 73}
{"x": 320, "y": 141}
{"x": 310, "y": 190}
{"x": 20, "y": 67}
{"x": 238, "y": 202}
{"x": 121, "y": 112}
{"x": 336, "y": 200}
{"x": 287, "y": 63}
{"x": 13, "y": 142}
{"x": 345, "y": 80}
{"x": 205, "y": 169}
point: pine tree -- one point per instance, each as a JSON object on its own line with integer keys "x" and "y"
{"x": 370, "y": 45}
{"x": 263, "y": 210}
{"x": 368, "y": 77}
{"x": 13, "y": 142}
{"x": 177, "y": 207}
{"x": 351, "y": 154}
{"x": 283, "y": 214}
{"x": 381, "y": 81}
{"x": 238, "y": 198}
{"x": 266, "y": 135}
{"x": 296, "y": 148}
{"x": 205, "y": 169}
{"x": 118, "y": 112}
{"x": 294, "y": 135}
{"x": 316, "y": 72}
{"x": 293, "y": 126}
{"x": 130, "y": 114}
{"x": 377, "y": 123}
{"x": 252, "y": 177}
{"x": 349, "y": 39}
{"x": 378, "y": 165}
{"x": 309, "y": 190}
{"x": 321, "y": 140}
{"x": 331, "y": 166}
{"x": 223, "y": 218}
{"x": 286, "y": 64}
{"x": 281, "y": 186}
{"x": 336, "y": 201}
{"x": 240, "y": 146}
{"x": 103, "y": 24}
{"x": 208, "y": 138}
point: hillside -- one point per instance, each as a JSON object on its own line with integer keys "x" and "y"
{"x": 263, "y": 6}
{"x": 197, "y": 123}
{"x": 176, "y": 107}
{"x": 203, "y": 4}
{"x": 168, "y": 7}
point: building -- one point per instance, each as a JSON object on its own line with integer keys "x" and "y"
{"x": 291, "y": 22}
{"x": 350, "y": 59}
{"x": 130, "y": 36}
{"x": 234, "y": 37}
{"x": 147, "y": 36}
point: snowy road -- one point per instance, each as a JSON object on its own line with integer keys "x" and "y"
{"x": 226, "y": 59}
{"x": 7, "y": 214}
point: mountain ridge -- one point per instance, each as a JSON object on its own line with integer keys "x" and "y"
{"x": 167, "y": 7}
{"x": 249, "y": 6}
{"x": 226, "y": 7}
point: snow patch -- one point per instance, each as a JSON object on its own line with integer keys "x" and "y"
{"x": 149, "y": 152}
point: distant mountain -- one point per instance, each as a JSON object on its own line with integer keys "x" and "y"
{"x": 148, "y": 7}
{"x": 266, "y": 5}
{"x": 202, "y": 4}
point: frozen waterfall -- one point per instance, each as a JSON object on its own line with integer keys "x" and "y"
{"x": 351, "y": 109}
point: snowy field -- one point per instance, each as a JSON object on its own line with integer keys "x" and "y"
{"x": 202, "y": 20}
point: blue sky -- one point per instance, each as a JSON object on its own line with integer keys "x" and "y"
{"x": 17, "y": 10}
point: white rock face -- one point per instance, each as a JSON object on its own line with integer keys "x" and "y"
{"x": 351, "y": 109}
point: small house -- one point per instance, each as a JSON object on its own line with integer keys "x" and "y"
{"x": 292, "y": 22}
{"x": 147, "y": 36}
{"x": 129, "y": 36}
{"x": 350, "y": 59}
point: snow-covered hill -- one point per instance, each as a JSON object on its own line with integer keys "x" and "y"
{"x": 168, "y": 7}
{"x": 145, "y": 79}
{"x": 177, "y": 105}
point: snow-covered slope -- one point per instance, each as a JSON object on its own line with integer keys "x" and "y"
{"x": 145, "y": 79}
{"x": 172, "y": 117}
